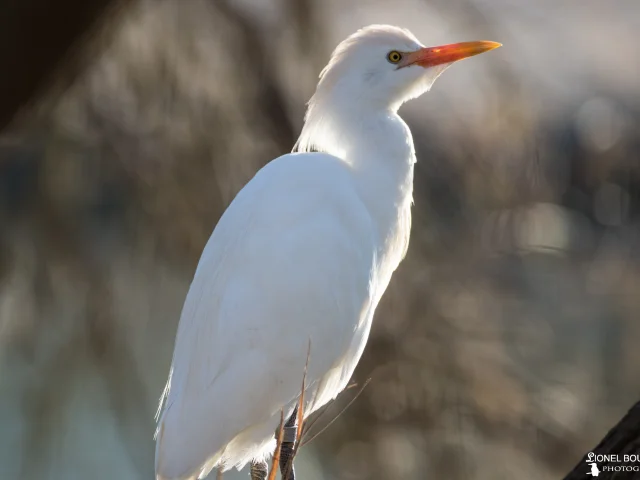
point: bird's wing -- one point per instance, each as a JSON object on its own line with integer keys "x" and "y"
{"x": 289, "y": 262}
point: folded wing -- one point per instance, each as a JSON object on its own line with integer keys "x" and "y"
{"x": 290, "y": 261}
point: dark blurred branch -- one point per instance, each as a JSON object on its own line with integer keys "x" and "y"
{"x": 37, "y": 39}
{"x": 622, "y": 439}
{"x": 301, "y": 13}
{"x": 271, "y": 98}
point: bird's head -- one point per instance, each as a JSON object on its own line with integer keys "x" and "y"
{"x": 378, "y": 68}
{"x": 384, "y": 66}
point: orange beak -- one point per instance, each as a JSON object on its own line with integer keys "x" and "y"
{"x": 432, "y": 56}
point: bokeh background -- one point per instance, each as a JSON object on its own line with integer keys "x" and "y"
{"x": 507, "y": 343}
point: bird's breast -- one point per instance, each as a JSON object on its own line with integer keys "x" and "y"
{"x": 394, "y": 234}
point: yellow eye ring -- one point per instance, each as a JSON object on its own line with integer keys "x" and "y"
{"x": 394, "y": 56}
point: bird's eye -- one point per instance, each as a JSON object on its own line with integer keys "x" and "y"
{"x": 394, "y": 57}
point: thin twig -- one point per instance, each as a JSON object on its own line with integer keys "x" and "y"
{"x": 312, "y": 422}
{"x": 324, "y": 411}
{"x": 300, "y": 417}
{"x": 306, "y": 442}
{"x": 301, "y": 404}
{"x": 276, "y": 455}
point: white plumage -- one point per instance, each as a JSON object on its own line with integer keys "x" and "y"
{"x": 304, "y": 252}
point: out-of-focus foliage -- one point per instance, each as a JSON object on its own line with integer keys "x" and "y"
{"x": 507, "y": 342}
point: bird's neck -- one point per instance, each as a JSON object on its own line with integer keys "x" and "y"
{"x": 380, "y": 151}
{"x": 378, "y": 147}
{"x": 376, "y": 143}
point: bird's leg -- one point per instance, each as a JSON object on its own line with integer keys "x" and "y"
{"x": 259, "y": 470}
{"x": 288, "y": 444}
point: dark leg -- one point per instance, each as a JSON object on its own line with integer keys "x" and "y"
{"x": 288, "y": 444}
{"x": 259, "y": 470}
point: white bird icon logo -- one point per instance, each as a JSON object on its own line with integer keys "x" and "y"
{"x": 594, "y": 470}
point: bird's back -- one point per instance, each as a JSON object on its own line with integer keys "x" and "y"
{"x": 291, "y": 261}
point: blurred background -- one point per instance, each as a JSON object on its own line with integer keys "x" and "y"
{"x": 507, "y": 343}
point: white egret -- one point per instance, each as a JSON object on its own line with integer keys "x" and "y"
{"x": 303, "y": 253}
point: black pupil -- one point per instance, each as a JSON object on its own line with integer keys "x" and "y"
{"x": 395, "y": 56}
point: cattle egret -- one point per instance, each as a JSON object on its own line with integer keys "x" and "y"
{"x": 301, "y": 257}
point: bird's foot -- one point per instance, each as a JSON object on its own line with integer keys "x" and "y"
{"x": 287, "y": 449}
{"x": 286, "y": 461}
{"x": 259, "y": 470}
